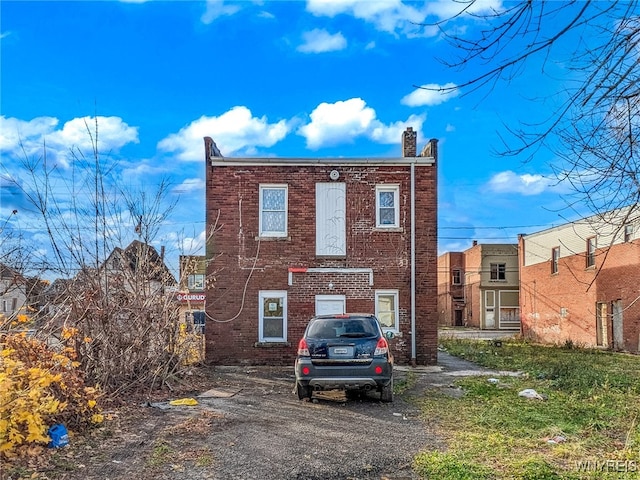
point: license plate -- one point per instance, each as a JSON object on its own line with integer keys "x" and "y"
{"x": 341, "y": 352}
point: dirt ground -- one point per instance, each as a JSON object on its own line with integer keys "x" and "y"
{"x": 248, "y": 424}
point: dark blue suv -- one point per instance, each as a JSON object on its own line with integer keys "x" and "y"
{"x": 347, "y": 352}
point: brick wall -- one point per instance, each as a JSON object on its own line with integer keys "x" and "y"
{"x": 242, "y": 265}
{"x": 561, "y": 307}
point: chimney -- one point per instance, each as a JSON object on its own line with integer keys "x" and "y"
{"x": 409, "y": 141}
{"x": 431, "y": 149}
{"x": 210, "y": 149}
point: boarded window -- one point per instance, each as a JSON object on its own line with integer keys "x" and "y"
{"x": 331, "y": 219}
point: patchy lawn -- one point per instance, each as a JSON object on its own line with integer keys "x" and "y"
{"x": 585, "y": 425}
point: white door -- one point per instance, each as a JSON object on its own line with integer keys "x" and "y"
{"x": 329, "y": 304}
{"x": 490, "y": 309}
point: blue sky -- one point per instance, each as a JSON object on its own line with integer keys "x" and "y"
{"x": 304, "y": 79}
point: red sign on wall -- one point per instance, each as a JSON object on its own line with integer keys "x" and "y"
{"x": 191, "y": 297}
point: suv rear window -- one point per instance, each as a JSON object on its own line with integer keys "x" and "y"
{"x": 338, "y": 327}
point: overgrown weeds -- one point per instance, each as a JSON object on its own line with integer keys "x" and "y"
{"x": 586, "y": 427}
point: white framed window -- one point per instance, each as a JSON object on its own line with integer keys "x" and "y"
{"x": 272, "y": 309}
{"x": 387, "y": 309}
{"x": 195, "y": 281}
{"x": 456, "y": 277}
{"x": 628, "y": 233}
{"x": 555, "y": 258}
{"x": 273, "y": 210}
{"x": 591, "y": 252}
{"x": 387, "y": 206}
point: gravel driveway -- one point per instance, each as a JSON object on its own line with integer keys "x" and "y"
{"x": 250, "y": 425}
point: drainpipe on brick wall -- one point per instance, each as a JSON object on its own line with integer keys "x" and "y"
{"x": 413, "y": 263}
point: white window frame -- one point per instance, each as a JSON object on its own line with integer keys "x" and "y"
{"x": 277, "y": 294}
{"x": 395, "y": 189}
{"x": 195, "y": 281}
{"x": 591, "y": 252}
{"x": 456, "y": 276}
{"x": 555, "y": 260}
{"x": 396, "y": 322}
{"x": 271, "y": 233}
{"x": 628, "y": 232}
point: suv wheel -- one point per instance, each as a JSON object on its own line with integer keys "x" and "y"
{"x": 302, "y": 391}
{"x": 386, "y": 393}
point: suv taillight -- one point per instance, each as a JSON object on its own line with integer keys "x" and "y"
{"x": 303, "y": 348}
{"x": 382, "y": 348}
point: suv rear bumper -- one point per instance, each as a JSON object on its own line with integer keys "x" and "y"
{"x": 344, "y": 377}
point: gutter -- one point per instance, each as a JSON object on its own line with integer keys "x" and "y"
{"x": 413, "y": 263}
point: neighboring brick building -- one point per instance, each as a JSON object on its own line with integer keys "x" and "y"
{"x": 292, "y": 237}
{"x": 580, "y": 282}
{"x": 479, "y": 287}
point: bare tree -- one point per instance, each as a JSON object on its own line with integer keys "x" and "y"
{"x": 594, "y": 124}
{"x": 114, "y": 296}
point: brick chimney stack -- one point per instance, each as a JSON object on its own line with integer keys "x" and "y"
{"x": 409, "y": 142}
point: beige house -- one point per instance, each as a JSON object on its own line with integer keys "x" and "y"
{"x": 480, "y": 287}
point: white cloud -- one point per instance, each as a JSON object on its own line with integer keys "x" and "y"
{"x": 510, "y": 182}
{"x": 370, "y": 46}
{"x": 319, "y": 41}
{"x": 387, "y": 16}
{"x": 13, "y": 131}
{"x": 344, "y": 121}
{"x": 190, "y": 185}
{"x": 430, "y": 94}
{"x": 235, "y": 132}
{"x": 20, "y": 137}
{"x": 450, "y": 128}
{"x": 4, "y": 35}
{"x": 445, "y": 9}
{"x": 216, "y": 9}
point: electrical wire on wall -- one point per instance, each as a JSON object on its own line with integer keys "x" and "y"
{"x": 244, "y": 291}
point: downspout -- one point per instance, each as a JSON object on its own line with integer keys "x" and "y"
{"x": 413, "y": 263}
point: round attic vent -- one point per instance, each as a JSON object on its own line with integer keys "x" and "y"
{"x": 334, "y": 175}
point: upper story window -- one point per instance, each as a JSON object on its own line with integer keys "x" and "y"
{"x": 555, "y": 257}
{"x": 195, "y": 281}
{"x": 456, "y": 277}
{"x": 387, "y": 206}
{"x": 273, "y": 210}
{"x": 591, "y": 251}
{"x": 628, "y": 233}
{"x": 498, "y": 271}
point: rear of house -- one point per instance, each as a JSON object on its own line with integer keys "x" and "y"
{"x": 579, "y": 282}
{"x": 480, "y": 287}
{"x": 290, "y": 238}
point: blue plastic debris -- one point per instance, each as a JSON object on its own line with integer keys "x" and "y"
{"x": 59, "y": 436}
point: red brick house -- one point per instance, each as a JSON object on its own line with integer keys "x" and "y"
{"x": 294, "y": 237}
{"x": 579, "y": 282}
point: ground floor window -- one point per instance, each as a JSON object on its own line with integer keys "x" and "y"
{"x": 387, "y": 309}
{"x": 272, "y": 316}
{"x": 509, "y": 309}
